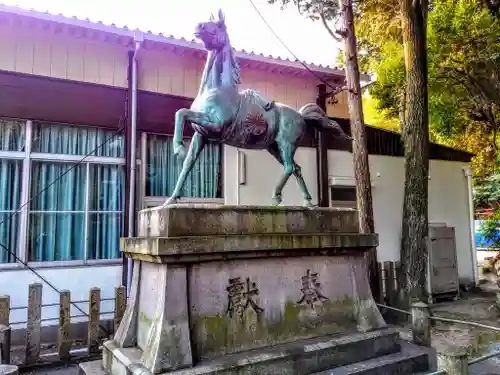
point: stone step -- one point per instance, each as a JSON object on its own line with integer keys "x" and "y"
{"x": 91, "y": 368}
{"x": 410, "y": 360}
{"x": 301, "y": 357}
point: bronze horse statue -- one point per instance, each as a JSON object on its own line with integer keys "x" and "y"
{"x": 243, "y": 119}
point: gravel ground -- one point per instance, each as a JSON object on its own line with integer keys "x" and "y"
{"x": 478, "y": 306}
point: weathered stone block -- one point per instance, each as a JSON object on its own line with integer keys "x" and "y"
{"x": 216, "y": 282}
{"x": 213, "y": 220}
{"x": 264, "y": 302}
{"x": 206, "y": 248}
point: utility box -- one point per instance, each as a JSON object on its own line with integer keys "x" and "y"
{"x": 442, "y": 276}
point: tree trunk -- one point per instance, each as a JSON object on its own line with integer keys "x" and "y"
{"x": 415, "y": 135}
{"x": 358, "y": 132}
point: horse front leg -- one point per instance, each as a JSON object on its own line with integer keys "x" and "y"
{"x": 181, "y": 116}
{"x": 196, "y": 146}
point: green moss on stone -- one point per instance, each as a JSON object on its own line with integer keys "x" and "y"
{"x": 219, "y": 334}
{"x": 143, "y": 317}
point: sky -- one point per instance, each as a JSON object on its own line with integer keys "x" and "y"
{"x": 308, "y": 40}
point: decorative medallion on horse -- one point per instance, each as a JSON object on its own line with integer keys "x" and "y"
{"x": 243, "y": 119}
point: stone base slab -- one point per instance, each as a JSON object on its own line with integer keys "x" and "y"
{"x": 209, "y": 248}
{"x": 215, "y": 220}
{"x": 301, "y": 357}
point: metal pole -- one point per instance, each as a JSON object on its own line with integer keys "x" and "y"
{"x": 138, "y": 38}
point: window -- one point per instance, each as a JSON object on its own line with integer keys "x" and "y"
{"x": 12, "y": 142}
{"x": 76, "y": 213}
{"x": 10, "y": 188}
{"x": 76, "y": 140}
{"x": 57, "y": 215}
{"x": 343, "y": 196}
{"x": 163, "y": 169}
{"x": 12, "y": 135}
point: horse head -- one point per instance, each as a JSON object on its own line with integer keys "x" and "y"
{"x": 213, "y": 34}
{"x": 221, "y": 68}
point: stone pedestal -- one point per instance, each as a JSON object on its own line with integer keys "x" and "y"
{"x": 216, "y": 285}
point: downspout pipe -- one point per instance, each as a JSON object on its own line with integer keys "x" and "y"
{"x": 322, "y": 154}
{"x": 138, "y": 39}
{"x": 470, "y": 195}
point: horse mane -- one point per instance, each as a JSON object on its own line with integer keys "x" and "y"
{"x": 223, "y": 64}
{"x": 233, "y": 64}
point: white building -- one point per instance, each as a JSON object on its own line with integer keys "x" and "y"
{"x": 66, "y": 86}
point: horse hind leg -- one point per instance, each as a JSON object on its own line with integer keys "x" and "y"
{"x": 284, "y": 156}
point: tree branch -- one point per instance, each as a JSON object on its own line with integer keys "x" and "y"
{"x": 336, "y": 37}
{"x": 337, "y": 91}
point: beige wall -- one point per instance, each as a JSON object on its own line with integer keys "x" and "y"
{"x": 168, "y": 73}
{"x": 340, "y": 109}
{"x": 45, "y": 53}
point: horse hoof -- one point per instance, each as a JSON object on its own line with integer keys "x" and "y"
{"x": 180, "y": 151}
{"x": 308, "y": 204}
{"x": 276, "y": 201}
{"x": 169, "y": 202}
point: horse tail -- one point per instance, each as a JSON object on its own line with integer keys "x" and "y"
{"x": 314, "y": 112}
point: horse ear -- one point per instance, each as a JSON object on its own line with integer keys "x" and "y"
{"x": 212, "y": 17}
{"x": 221, "y": 16}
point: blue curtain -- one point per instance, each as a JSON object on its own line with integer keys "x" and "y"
{"x": 163, "y": 169}
{"x": 57, "y": 235}
{"x": 106, "y": 206}
{"x": 12, "y": 135}
{"x": 10, "y": 194}
{"x": 12, "y": 138}
{"x": 76, "y": 140}
{"x": 60, "y": 235}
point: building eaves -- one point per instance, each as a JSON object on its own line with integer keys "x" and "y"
{"x": 160, "y": 38}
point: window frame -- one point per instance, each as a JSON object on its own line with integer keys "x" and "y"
{"x": 341, "y": 203}
{"x": 152, "y": 201}
{"x": 27, "y": 157}
{"x": 142, "y": 201}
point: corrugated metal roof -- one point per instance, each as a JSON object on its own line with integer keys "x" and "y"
{"x": 161, "y": 38}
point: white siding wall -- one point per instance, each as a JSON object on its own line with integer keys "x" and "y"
{"x": 448, "y": 200}
{"x": 78, "y": 280}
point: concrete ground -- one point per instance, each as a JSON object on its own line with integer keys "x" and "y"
{"x": 63, "y": 370}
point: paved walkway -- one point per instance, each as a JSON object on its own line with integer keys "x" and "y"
{"x": 64, "y": 370}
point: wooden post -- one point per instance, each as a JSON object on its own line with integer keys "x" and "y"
{"x": 94, "y": 318}
{"x": 9, "y": 370}
{"x": 389, "y": 282}
{"x": 421, "y": 324}
{"x": 63, "y": 338}
{"x": 453, "y": 361}
{"x": 381, "y": 279}
{"x": 120, "y": 305}
{"x": 397, "y": 275}
{"x": 322, "y": 154}
{"x": 5, "y": 332}
{"x": 34, "y": 323}
{"x": 5, "y": 344}
{"x": 4, "y": 310}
